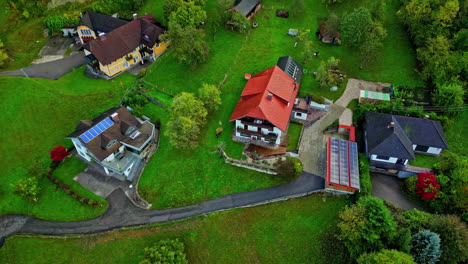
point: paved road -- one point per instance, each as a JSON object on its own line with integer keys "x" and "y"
{"x": 388, "y": 188}
{"x": 312, "y": 146}
{"x": 122, "y": 213}
{"x": 49, "y": 70}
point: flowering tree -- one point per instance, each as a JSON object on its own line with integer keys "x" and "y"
{"x": 58, "y": 153}
{"x": 427, "y": 186}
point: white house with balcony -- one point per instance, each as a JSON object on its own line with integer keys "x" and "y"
{"x": 116, "y": 140}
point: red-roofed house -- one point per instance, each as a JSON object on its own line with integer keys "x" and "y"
{"x": 264, "y": 109}
{"x": 112, "y": 45}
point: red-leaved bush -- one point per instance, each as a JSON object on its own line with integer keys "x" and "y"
{"x": 58, "y": 153}
{"x": 427, "y": 186}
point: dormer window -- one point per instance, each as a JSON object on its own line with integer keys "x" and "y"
{"x": 256, "y": 121}
{"x": 135, "y": 135}
{"x": 146, "y": 37}
{"x": 130, "y": 130}
{"x": 111, "y": 143}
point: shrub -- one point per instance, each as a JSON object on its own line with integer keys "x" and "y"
{"x": 59, "y": 153}
{"x": 286, "y": 168}
{"x": 170, "y": 251}
{"x": 386, "y": 256}
{"x": 417, "y": 220}
{"x": 425, "y": 247}
{"x": 364, "y": 176}
{"x": 56, "y": 23}
{"x": 28, "y": 188}
{"x": 427, "y": 186}
{"x": 410, "y": 184}
{"x": 453, "y": 235}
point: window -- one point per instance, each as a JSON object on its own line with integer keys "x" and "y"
{"x": 422, "y": 148}
{"x": 125, "y": 64}
{"x": 299, "y": 114}
{"x": 383, "y": 157}
{"x": 85, "y": 32}
{"x": 256, "y": 121}
{"x": 157, "y": 45}
{"x": 118, "y": 68}
{"x": 111, "y": 143}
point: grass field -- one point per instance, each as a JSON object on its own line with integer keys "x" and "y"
{"x": 176, "y": 178}
{"x": 38, "y": 114}
{"x": 424, "y": 161}
{"x": 294, "y": 132}
{"x": 295, "y": 231}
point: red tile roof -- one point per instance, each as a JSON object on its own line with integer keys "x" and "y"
{"x": 255, "y": 102}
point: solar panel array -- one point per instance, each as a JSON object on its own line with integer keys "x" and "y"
{"x": 354, "y": 165}
{"x": 96, "y": 130}
{"x": 344, "y": 166}
{"x": 291, "y": 68}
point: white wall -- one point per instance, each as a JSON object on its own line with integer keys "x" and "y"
{"x": 82, "y": 150}
{"x": 391, "y": 160}
{"x": 263, "y": 130}
{"x": 303, "y": 116}
{"x": 434, "y": 151}
{"x": 127, "y": 171}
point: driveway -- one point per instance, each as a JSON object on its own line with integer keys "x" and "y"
{"x": 388, "y": 188}
{"x": 123, "y": 213}
{"x": 50, "y": 70}
{"x": 312, "y": 148}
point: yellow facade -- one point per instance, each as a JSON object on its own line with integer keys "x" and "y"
{"x": 134, "y": 57}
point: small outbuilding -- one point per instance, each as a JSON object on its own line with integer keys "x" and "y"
{"x": 328, "y": 37}
{"x": 247, "y": 8}
{"x": 342, "y": 166}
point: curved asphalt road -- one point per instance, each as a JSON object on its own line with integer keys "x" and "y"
{"x": 122, "y": 213}
{"x": 49, "y": 70}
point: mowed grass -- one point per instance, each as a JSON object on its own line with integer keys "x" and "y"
{"x": 294, "y": 231}
{"x": 294, "y": 132}
{"x": 424, "y": 161}
{"x": 177, "y": 178}
{"x": 37, "y": 115}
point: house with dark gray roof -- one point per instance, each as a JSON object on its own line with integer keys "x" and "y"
{"x": 391, "y": 141}
{"x": 247, "y": 8}
{"x": 116, "y": 140}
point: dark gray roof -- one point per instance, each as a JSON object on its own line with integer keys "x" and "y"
{"x": 245, "y": 6}
{"x": 291, "y": 67}
{"x": 397, "y": 140}
{"x": 101, "y": 22}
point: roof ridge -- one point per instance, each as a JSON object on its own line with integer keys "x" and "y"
{"x": 438, "y": 132}
{"x": 410, "y": 151}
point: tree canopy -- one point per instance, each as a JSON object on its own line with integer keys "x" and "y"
{"x": 187, "y": 43}
{"x": 425, "y": 247}
{"x": 188, "y": 116}
{"x": 210, "y": 95}
{"x": 386, "y": 256}
{"x": 366, "y": 226}
{"x": 188, "y": 14}
{"x": 168, "y": 251}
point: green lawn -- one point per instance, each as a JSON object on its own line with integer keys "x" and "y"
{"x": 295, "y": 231}
{"x": 177, "y": 178}
{"x": 37, "y": 115}
{"x": 294, "y": 132}
{"x": 424, "y": 161}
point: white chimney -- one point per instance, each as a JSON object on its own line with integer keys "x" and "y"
{"x": 115, "y": 116}
{"x": 135, "y": 16}
{"x": 270, "y": 96}
{"x": 426, "y": 117}
{"x": 102, "y": 35}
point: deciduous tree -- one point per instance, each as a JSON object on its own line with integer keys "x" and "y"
{"x": 453, "y": 234}
{"x": 210, "y": 95}
{"x": 58, "y": 153}
{"x": 450, "y": 96}
{"x": 28, "y": 188}
{"x": 366, "y": 226}
{"x": 427, "y": 186}
{"x": 356, "y": 27}
{"x": 187, "y": 43}
{"x": 188, "y": 14}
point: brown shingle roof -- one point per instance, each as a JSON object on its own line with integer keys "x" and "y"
{"x": 123, "y": 40}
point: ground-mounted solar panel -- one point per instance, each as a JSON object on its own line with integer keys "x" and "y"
{"x": 344, "y": 176}
{"x": 334, "y": 161}
{"x": 354, "y": 165}
{"x": 96, "y": 130}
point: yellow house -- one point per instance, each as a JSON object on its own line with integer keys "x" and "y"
{"x": 110, "y": 54}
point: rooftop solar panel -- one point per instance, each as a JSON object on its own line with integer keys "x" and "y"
{"x": 354, "y": 165}
{"x": 344, "y": 174}
{"x": 334, "y": 166}
{"x": 96, "y": 130}
{"x": 344, "y": 166}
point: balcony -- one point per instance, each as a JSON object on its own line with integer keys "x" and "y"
{"x": 269, "y": 136}
{"x": 121, "y": 161}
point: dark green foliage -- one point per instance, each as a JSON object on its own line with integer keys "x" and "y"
{"x": 425, "y": 247}
{"x": 56, "y": 23}
{"x": 355, "y": 27}
{"x": 416, "y": 220}
{"x": 237, "y": 22}
{"x": 170, "y": 6}
{"x": 331, "y": 2}
{"x": 136, "y": 101}
{"x": 327, "y": 74}
{"x": 169, "y": 251}
{"x": 3, "y": 54}
{"x": 125, "y": 8}
{"x": 402, "y": 240}
{"x": 286, "y": 168}
{"x": 364, "y": 176}
{"x": 188, "y": 44}
{"x": 386, "y": 256}
{"x": 454, "y": 238}
{"x": 26, "y": 8}
{"x": 28, "y": 188}
{"x": 366, "y": 226}
{"x": 450, "y": 96}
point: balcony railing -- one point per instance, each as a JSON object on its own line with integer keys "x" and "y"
{"x": 270, "y": 136}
